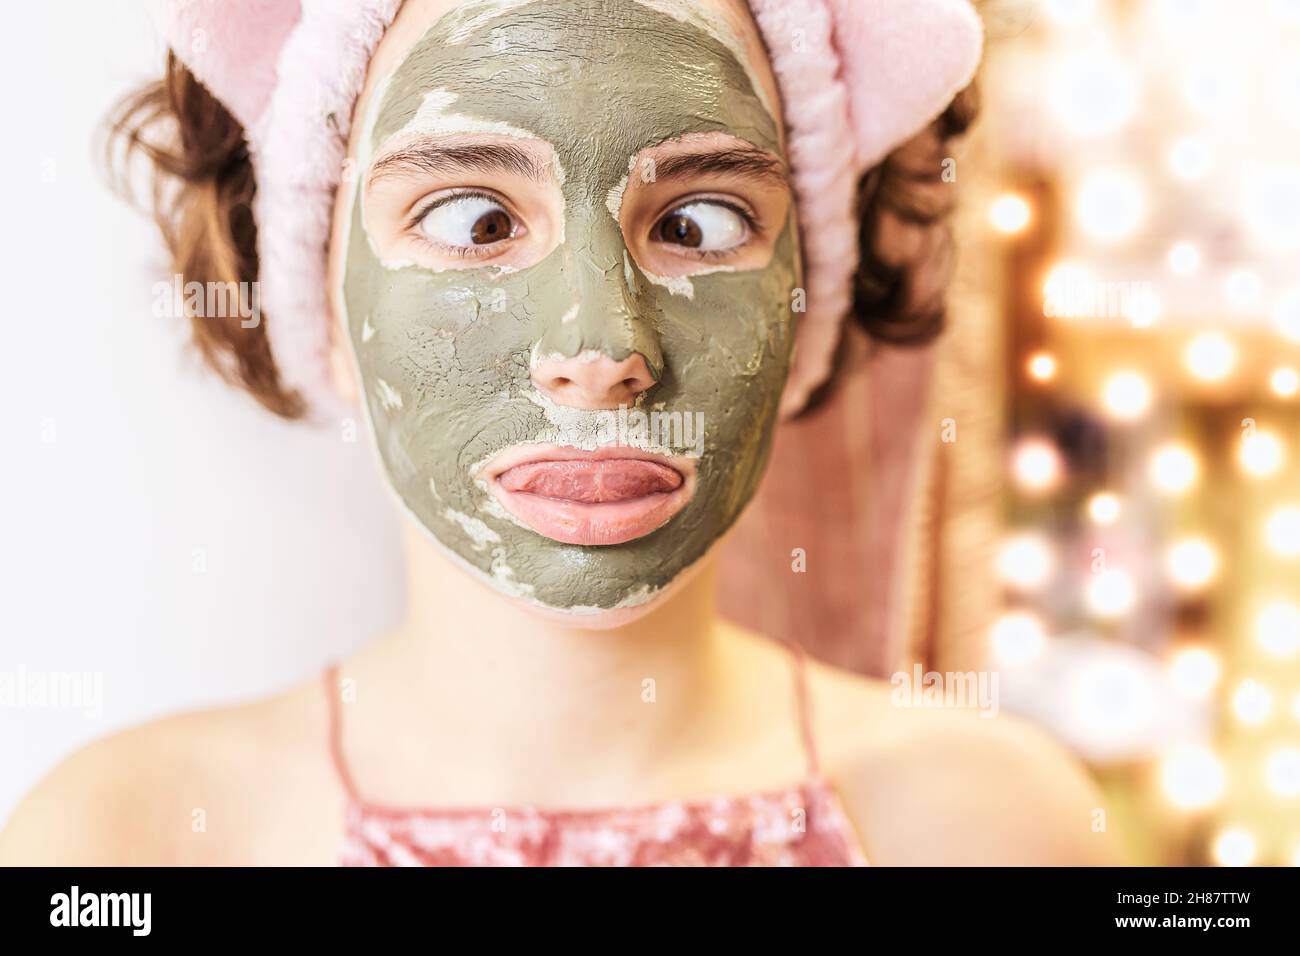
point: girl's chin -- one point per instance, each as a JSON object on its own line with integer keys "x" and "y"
{"x": 584, "y": 618}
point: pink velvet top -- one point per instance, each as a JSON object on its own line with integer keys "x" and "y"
{"x": 801, "y": 825}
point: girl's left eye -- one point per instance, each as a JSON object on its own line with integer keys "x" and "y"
{"x": 703, "y": 227}
{"x": 467, "y": 221}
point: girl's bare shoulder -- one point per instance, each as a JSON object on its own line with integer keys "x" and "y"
{"x": 945, "y": 777}
{"x": 237, "y": 784}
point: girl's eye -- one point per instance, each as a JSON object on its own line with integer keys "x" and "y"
{"x": 702, "y": 226}
{"x": 467, "y": 221}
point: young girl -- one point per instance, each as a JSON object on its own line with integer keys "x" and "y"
{"x": 575, "y": 259}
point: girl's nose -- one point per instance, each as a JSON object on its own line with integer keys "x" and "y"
{"x": 592, "y": 380}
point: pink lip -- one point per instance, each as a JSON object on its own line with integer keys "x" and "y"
{"x": 607, "y": 496}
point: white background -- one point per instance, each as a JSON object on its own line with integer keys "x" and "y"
{"x": 154, "y": 467}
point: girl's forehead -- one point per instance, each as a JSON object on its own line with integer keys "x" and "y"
{"x": 574, "y": 50}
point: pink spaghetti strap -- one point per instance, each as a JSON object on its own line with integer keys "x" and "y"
{"x": 805, "y": 706}
{"x": 335, "y": 731}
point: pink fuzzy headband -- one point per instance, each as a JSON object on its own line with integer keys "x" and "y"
{"x": 857, "y": 77}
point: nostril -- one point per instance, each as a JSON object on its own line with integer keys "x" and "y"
{"x": 631, "y": 383}
{"x": 561, "y": 381}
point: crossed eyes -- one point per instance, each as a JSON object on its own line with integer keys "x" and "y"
{"x": 476, "y": 224}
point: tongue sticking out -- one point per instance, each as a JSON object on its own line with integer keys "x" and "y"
{"x": 592, "y": 482}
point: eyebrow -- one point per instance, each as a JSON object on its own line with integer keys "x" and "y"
{"x": 433, "y": 158}
{"x": 752, "y": 163}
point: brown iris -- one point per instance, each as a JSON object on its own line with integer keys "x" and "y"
{"x": 490, "y": 227}
{"x": 680, "y": 230}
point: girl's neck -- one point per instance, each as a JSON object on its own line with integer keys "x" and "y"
{"x": 582, "y": 696}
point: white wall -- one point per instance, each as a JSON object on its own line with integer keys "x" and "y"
{"x": 125, "y": 466}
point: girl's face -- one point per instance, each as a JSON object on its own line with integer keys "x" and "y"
{"x": 566, "y": 264}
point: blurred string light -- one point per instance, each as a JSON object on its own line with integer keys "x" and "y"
{"x": 1041, "y": 366}
{"x": 1184, "y": 258}
{"x": 1244, "y": 289}
{"x": 1010, "y": 214}
{"x": 1261, "y": 454}
{"x": 1093, "y": 92}
{"x": 1107, "y": 700}
{"x": 1210, "y": 356}
{"x": 1252, "y": 702}
{"x": 1192, "y": 777}
{"x": 1286, "y": 89}
{"x": 1110, "y": 594}
{"x": 1285, "y": 382}
{"x": 1282, "y": 531}
{"x": 1026, "y": 562}
{"x": 1068, "y": 291}
{"x": 1174, "y": 469}
{"x": 1126, "y": 395}
{"x": 1234, "y": 846}
{"x": 1211, "y": 87}
{"x": 1104, "y": 508}
{"x": 1110, "y": 205}
{"x": 1190, "y": 159}
{"x": 1183, "y": 14}
{"x": 1036, "y": 465}
{"x": 1192, "y": 563}
{"x": 1144, "y": 309}
{"x": 1017, "y": 639}
{"x": 1277, "y": 629}
{"x": 1286, "y": 314}
{"x": 1271, "y": 208}
{"x": 1295, "y": 706}
{"x": 1070, "y": 13}
{"x": 1282, "y": 772}
{"x": 1194, "y": 672}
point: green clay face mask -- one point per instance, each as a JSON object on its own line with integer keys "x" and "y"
{"x": 446, "y": 356}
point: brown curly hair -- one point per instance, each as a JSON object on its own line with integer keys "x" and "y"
{"x": 201, "y": 188}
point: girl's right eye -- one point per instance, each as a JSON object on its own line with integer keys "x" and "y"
{"x": 467, "y": 221}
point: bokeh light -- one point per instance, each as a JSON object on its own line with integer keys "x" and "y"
{"x": 1192, "y": 777}
{"x": 1127, "y": 395}
{"x": 1192, "y": 563}
{"x": 1195, "y": 671}
{"x": 1174, "y": 469}
{"x": 1282, "y": 532}
{"x": 1235, "y": 846}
